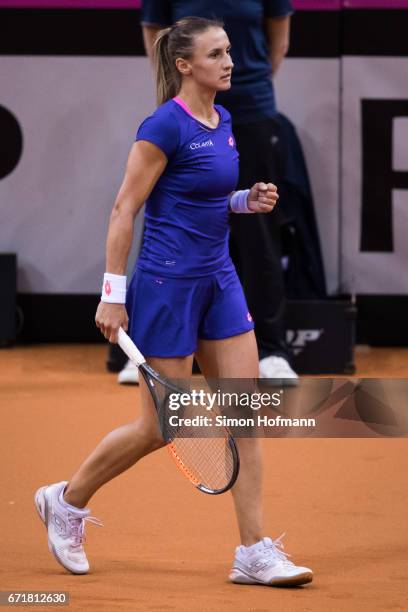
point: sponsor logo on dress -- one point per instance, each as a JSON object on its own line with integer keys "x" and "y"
{"x": 200, "y": 145}
{"x": 231, "y": 141}
{"x": 249, "y": 317}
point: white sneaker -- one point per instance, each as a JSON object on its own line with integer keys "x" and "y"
{"x": 266, "y": 563}
{"x": 129, "y": 375}
{"x": 279, "y": 369}
{"x": 65, "y": 526}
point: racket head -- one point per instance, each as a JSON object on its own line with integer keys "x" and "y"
{"x": 207, "y": 455}
{"x": 231, "y": 451}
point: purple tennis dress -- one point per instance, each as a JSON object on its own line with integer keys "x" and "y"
{"x": 185, "y": 286}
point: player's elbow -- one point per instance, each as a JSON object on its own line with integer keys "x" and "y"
{"x": 122, "y": 212}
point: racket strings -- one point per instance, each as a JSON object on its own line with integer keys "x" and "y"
{"x": 208, "y": 462}
{"x": 204, "y": 452}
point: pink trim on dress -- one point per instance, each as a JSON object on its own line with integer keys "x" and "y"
{"x": 183, "y": 105}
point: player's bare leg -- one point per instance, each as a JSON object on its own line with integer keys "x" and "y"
{"x": 124, "y": 446}
{"x": 259, "y": 560}
{"x": 237, "y": 357}
{"x": 64, "y": 513}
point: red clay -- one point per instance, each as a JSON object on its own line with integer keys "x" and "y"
{"x": 165, "y": 546}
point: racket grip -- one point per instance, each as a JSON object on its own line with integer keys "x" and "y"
{"x": 128, "y": 347}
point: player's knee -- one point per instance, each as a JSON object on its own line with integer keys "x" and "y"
{"x": 151, "y": 435}
{"x": 154, "y": 442}
{"x": 158, "y": 442}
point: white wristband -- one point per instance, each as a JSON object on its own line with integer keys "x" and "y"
{"x": 113, "y": 288}
{"x": 238, "y": 202}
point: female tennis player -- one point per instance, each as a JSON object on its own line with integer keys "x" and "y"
{"x": 184, "y": 298}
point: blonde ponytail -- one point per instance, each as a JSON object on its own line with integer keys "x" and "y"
{"x": 168, "y": 79}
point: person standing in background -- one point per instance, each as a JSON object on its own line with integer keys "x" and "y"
{"x": 259, "y": 35}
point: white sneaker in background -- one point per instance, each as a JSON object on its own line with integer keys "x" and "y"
{"x": 129, "y": 375}
{"x": 279, "y": 369}
{"x": 65, "y": 526}
{"x": 266, "y": 563}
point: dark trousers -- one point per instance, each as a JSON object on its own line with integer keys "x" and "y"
{"x": 255, "y": 238}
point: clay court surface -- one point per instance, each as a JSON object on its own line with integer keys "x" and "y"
{"x": 342, "y": 502}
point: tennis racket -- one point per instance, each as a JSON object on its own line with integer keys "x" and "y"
{"x": 206, "y": 455}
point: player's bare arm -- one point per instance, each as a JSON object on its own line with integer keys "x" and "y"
{"x": 145, "y": 164}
